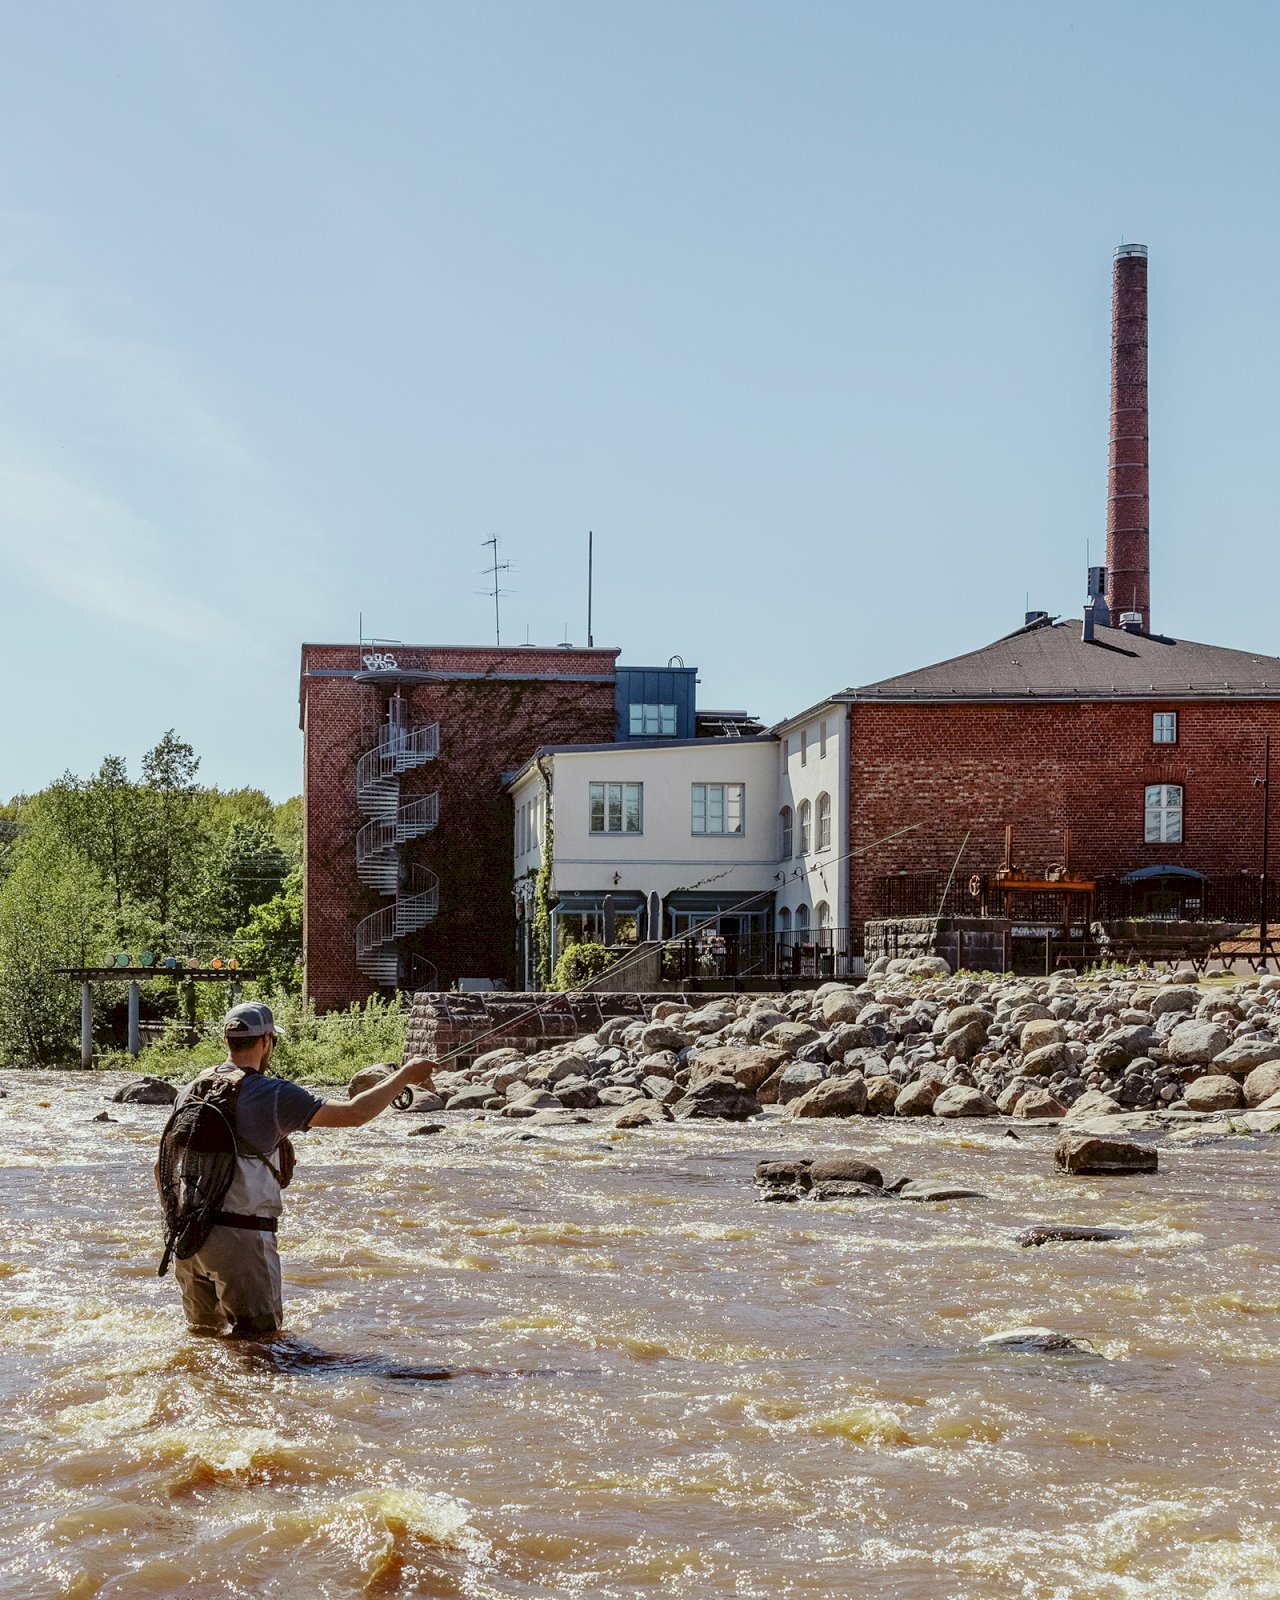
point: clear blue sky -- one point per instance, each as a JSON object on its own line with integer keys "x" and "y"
{"x": 804, "y": 308}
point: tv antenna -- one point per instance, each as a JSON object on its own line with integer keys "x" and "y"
{"x": 498, "y": 593}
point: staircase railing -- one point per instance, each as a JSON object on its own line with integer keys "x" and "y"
{"x": 416, "y": 890}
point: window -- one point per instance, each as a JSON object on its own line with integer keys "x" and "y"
{"x": 824, "y": 822}
{"x": 804, "y": 748}
{"x": 653, "y": 721}
{"x": 1164, "y": 727}
{"x": 717, "y": 807}
{"x": 788, "y": 834}
{"x": 822, "y": 740}
{"x": 784, "y": 926}
{"x": 617, "y": 807}
{"x": 806, "y": 827}
{"x": 802, "y": 924}
{"x": 1164, "y": 813}
{"x": 822, "y": 922}
{"x": 786, "y": 755}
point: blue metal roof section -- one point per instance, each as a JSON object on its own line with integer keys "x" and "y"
{"x": 657, "y": 686}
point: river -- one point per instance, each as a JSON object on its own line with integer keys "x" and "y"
{"x": 663, "y": 1386}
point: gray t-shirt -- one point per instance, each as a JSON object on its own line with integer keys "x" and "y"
{"x": 267, "y": 1111}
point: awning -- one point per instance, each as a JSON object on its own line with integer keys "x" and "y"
{"x": 623, "y": 900}
{"x": 1144, "y": 874}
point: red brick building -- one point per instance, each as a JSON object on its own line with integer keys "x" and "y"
{"x": 1149, "y": 750}
{"x": 407, "y": 843}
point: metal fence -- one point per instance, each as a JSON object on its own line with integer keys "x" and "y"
{"x": 813, "y": 953}
{"x": 1171, "y": 899}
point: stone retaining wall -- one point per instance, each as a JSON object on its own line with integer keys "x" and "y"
{"x": 440, "y": 1023}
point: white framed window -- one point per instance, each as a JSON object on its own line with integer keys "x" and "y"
{"x": 617, "y": 807}
{"x": 718, "y": 807}
{"x": 784, "y": 926}
{"x": 824, "y": 822}
{"x": 786, "y": 827}
{"x": 1163, "y": 814}
{"x": 806, "y": 827}
{"x": 822, "y": 740}
{"x": 822, "y": 921}
{"x": 652, "y": 721}
{"x": 1164, "y": 727}
{"x": 802, "y": 924}
{"x": 804, "y": 747}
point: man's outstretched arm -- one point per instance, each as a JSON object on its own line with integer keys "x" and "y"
{"x": 362, "y": 1108}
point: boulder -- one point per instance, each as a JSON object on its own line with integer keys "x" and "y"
{"x": 841, "y": 1005}
{"x": 928, "y": 967}
{"x": 1093, "y": 1103}
{"x": 795, "y": 1080}
{"x": 720, "y": 1098}
{"x": 962, "y": 1016}
{"x": 580, "y": 1094}
{"x": 790, "y": 1036}
{"x": 1241, "y": 1057}
{"x": 663, "y": 1090}
{"x": 494, "y": 1060}
{"x": 426, "y": 1127}
{"x": 149, "y": 1092}
{"x": 661, "y": 1064}
{"x": 1090, "y": 1154}
{"x": 1032, "y": 1341}
{"x": 791, "y": 1172}
{"x": 1195, "y": 1043}
{"x": 844, "y": 1169}
{"x": 620, "y": 1094}
{"x": 961, "y": 1101}
{"x": 928, "y": 1192}
{"x": 964, "y": 1043}
{"x": 1215, "y": 1092}
{"x": 426, "y": 1100}
{"x": 842, "y": 1189}
{"x": 837, "y": 1097}
{"x": 662, "y": 1036}
{"x": 1118, "y": 1049}
{"x": 1048, "y": 1059}
{"x": 475, "y": 1097}
{"x": 1261, "y": 1084}
{"x": 1036, "y": 1035}
{"x": 641, "y": 1116}
{"x": 916, "y": 1099}
{"x": 882, "y": 1095}
{"x": 748, "y": 1065}
{"x": 1038, "y": 1103}
{"x": 367, "y": 1078}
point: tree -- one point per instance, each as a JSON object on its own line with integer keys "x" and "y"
{"x": 102, "y": 819}
{"x": 271, "y": 939}
{"x": 246, "y": 868}
{"x": 169, "y": 835}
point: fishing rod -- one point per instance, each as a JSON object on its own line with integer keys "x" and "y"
{"x": 639, "y": 957}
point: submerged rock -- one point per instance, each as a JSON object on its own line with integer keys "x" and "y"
{"x": 1033, "y": 1341}
{"x": 1067, "y": 1233}
{"x": 922, "y": 1189}
{"x": 146, "y": 1092}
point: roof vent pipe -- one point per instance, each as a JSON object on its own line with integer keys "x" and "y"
{"x": 1087, "y": 632}
{"x": 1034, "y": 616}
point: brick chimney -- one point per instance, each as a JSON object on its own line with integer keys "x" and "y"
{"x": 1128, "y": 506}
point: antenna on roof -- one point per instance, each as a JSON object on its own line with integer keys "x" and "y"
{"x": 591, "y": 540}
{"x": 493, "y": 571}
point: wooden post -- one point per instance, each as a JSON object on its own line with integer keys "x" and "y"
{"x": 86, "y": 1024}
{"x": 135, "y": 1043}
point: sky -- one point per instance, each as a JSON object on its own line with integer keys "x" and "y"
{"x": 803, "y": 308}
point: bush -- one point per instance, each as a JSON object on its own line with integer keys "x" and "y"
{"x": 328, "y": 1049}
{"x": 580, "y": 965}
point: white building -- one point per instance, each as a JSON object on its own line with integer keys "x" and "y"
{"x": 653, "y": 839}
{"x": 812, "y": 848}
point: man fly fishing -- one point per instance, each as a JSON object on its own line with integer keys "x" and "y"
{"x": 225, "y": 1157}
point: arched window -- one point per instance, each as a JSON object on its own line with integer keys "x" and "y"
{"x": 802, "y": 924}
{"x": 784, "y": 927}
{"x": 788, "y": 834}
{"x": 822, "y": 922}
{"x": 806, "y": 829}
{"x": 824, "y": 822}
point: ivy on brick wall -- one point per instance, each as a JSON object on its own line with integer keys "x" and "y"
{"x": 542, "y": 905}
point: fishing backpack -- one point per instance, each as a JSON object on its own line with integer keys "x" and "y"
{"x": 198, "y": 1152}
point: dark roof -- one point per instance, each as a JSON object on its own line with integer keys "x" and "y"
{"x": 1051, "y": 661}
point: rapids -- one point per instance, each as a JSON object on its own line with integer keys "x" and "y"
{"x": 660, "y": 1385}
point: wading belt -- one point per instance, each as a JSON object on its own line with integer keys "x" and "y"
{"x": 235, "y": 1219}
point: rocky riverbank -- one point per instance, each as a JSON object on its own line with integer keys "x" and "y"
{"x": 912, "y": 1040}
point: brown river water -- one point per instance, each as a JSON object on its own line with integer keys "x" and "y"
{"x": 664, "y": 1387}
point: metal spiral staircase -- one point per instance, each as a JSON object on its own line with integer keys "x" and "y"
{"x": 379, "y": 862}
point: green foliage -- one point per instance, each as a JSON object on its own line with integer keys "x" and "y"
{"x": 286, "y": 824}
{"x": 245, "y": 868}
{"x": 328, "y": 1049}
{"x": 580, "y": 965}
{"x": 271, "y": 939}
{"x": 49, "y": 916}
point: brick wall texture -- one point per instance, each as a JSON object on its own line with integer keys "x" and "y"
{"x": 495, "y": 708}
{"x": 973, "y": 768}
